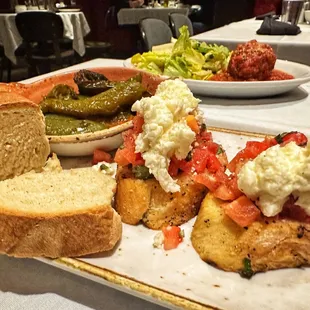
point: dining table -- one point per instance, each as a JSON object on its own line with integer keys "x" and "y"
{"x": 30, "y": 284}
{"x": 287, "y": 47}
{"x": 75, "y": 24}
{"x": 132, "y": 16}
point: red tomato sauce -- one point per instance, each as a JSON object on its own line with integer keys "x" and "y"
{"x": 276, "y": 75}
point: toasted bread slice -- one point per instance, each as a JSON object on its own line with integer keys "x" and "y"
{"x": 267, "y": 244}
{"x": 145, "y": 200}
{"x": 58, "y": 213}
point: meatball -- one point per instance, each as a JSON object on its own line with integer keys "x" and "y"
{"x": 252, "y": 61}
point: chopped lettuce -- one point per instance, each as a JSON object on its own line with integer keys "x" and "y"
{"x": 189, "y": 59}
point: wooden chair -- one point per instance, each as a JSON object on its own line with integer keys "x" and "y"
{"x": 42, "y": 33}
{"x": 5, "y": 65}
{"x": 154, "y": 32}
{"x": 178, "y": 20}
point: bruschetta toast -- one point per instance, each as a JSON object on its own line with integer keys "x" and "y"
{"x": 145, "y": 200}
{"x": 267, "y": 244}
{"x": 162, "y": 155}
{"x": 263, "y": 221}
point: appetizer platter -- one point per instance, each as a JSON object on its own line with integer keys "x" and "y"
{"x": 177, "y": 213}
{"x": 252, "y": 70}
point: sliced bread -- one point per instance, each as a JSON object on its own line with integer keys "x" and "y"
{"x": 23, "y": 144}
{"x": 58, "y": 213}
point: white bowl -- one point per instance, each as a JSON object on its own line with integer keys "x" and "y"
{"x": 85, "y": 144}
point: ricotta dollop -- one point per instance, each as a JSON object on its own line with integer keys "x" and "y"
{"x": 165, "y": 131}
{"x": 274, "y": 175}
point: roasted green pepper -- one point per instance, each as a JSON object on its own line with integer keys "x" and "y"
{"x": 141, "y": 172}
{"x": 61, "y": 125}
{"x": 63, "y": 92}
{"x": 91, "y": 83}
{"x": 104, "y": 104}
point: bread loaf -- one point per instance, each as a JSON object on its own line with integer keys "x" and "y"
{"x": 23, "y": 144}
{"x": 58, "y": 213}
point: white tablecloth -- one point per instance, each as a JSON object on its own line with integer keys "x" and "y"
{"x": 133, "y": 16}
{"x": 30, "y": 285}
{"x": 293, "y": 48}
{"x": 75, "y": 28}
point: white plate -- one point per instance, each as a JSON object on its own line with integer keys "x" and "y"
{"x": 180, "y": 278}
{"x": 249, "y": 89}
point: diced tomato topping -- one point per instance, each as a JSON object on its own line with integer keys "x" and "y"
{"x": 100, "y": 155}
{"x": 206, "y": 135}
{"x": 200, "y": 159}
{"x": 242, "y": 211}
{"x": 211, "y": 180}
{"x": 204, "y": 156}
{"x": 294, "y": 136}
{"x": 120, "y": 157}
{"x": 176, "y": 165}
{"x": 292, "y": 211}
{"x": 222, "y": 157}
{"x": 254, "y": 148}
{"x": 172, "y": 237}
{"x": 220, "y": 184}
{"x": 173, "y": 168}
{"x": 251, "y": 151}
{"x": 192, "y": 123}
{"x": 186, "y": 166}
{"x": 228, "y": 190}
{"x": 138, "y": 122}
{"x": 126, "y": 155}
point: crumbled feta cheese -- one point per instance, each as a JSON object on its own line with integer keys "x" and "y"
{"x": 158, "y": 240}
{"x": 165, "y": 131}
{"x": 274, "y": 175}
{"x": 106, "y": 168}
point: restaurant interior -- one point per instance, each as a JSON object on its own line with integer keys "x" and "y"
{"x": 104, "y": 36}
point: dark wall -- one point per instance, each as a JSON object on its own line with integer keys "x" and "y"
{"x": 216, "y": 13}
{"x": 124, "y": 39}
{"x": 95, "y": 11}
{"x": 4, "y": 4}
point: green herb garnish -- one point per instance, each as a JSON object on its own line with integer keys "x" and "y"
{"x": 182, "y": 233}
{"x": 219, "y": 150}
{"x": 247, "y": 271}
{"x": 104, "y": 167}
{"x": 279, "y": 137}
{"x": 141, "y": 172}
{"x": 203, "y": 126}
{"x": 189, "y": 156}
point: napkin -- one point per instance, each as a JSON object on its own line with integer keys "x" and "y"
{"x": 272, "y": 27}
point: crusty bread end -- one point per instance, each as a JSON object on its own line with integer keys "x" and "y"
{"x": 23, "y": 143}
{"x": 58, "y": 213}
{"x": 60, "y": 236}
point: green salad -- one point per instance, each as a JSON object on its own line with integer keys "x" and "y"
{"x": 189, "y": 59}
